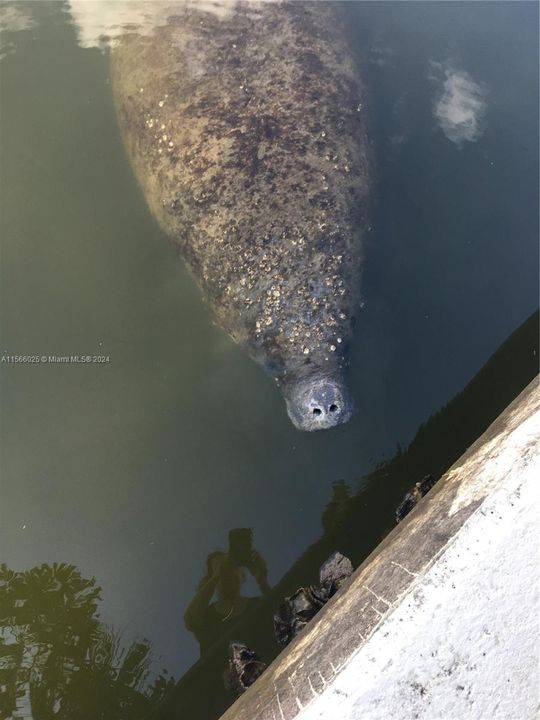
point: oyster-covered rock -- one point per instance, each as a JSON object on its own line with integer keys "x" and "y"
{"x": 299, "y": 608}
{"x": 245, "y": 667}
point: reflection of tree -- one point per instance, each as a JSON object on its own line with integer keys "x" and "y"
{"x": 59, "y": 660}
{"x": 337, "y": 508}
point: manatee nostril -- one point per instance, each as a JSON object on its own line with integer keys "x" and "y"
{"x": 318, "y": 403}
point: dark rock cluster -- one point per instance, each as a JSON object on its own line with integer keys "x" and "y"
{"x": 299, "y": 608}
{"x": 245, "y": 667}
{"x": 293, "y": 615}
{"x": 413, "y": 496}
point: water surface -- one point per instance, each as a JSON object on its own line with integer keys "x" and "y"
{"x": 134, "y": 469}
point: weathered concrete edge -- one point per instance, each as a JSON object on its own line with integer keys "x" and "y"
{"x": 316, "y": 657}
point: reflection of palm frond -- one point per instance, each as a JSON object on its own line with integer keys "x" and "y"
{"x": 104, "y": 650}
{"x": 58, "y": 658}
{"x": 136, "y": 665}
{"x": 128, "y": 666}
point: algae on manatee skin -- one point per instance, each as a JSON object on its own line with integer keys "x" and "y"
{"x": 245, "y": 135}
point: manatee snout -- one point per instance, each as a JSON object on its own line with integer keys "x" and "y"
{"x": 319, "y": 403}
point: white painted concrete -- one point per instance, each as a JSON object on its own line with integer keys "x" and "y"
{"x": 463, "y": 642}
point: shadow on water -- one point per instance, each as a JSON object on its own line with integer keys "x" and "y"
{"x": 212, "y": 620}
{"x": 58, "y": 660}
{"x": 348, "y": 518}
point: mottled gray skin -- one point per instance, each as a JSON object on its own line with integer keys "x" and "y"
{"x": 247, "y": 134}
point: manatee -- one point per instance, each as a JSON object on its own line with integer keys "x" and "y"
{"x": 245, "y": 126}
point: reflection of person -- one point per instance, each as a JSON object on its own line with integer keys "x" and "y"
{"x": 209, "y": 621}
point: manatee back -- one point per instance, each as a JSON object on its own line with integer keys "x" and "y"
{"x": 246, "y": 133}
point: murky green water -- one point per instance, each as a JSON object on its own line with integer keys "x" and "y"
{"x": 134, "y": 469}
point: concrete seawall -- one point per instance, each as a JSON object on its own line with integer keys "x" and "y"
{"x": 441, "y": 620}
